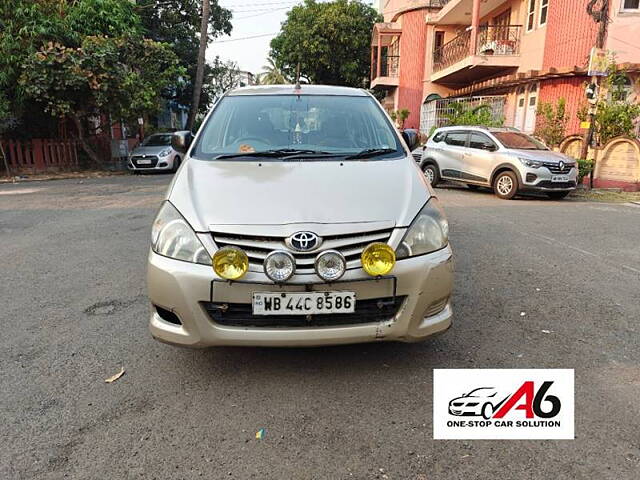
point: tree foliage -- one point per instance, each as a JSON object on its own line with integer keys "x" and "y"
{"x": 461, "y": 114}
{"x": 331, "y": 41}
{"x": 273, "y": 74}
{"x": 177, "y": 23}
{"x": 82, "y": 58}
{"x": 552, "y": 122}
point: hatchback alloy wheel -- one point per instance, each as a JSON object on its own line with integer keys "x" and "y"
{"x": 505, "y": 185}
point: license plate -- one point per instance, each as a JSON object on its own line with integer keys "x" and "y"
{"x": 560, "y": 178}
{"x": 143, "y": 162}
{"x": 303, "y": 303}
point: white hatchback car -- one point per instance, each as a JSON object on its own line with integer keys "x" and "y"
{"x": 298, "y": 218}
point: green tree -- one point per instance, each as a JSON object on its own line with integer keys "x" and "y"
{"x": 552, "y": 122}
{"x": 178, "y": 23}
{"x": 461, "y": 114}
{"x": 272, "y": 73}
{"x": 121, "y": 77}
{"x": 330, "y": 40}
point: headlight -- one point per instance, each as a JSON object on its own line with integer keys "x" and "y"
{"x": 230, "y": 263}
{"x": 378, "y": 259}
{"x": 330, "y": 265}
{"x": 530, "y": 163}
{"x": 164, "y": 152}
{"x": 279, "y": 266}
{"x": 428, "y": 232}
{"x": 173, "y": 237}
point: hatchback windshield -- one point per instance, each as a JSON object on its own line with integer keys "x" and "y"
{"x": 157, "y": 140}
{"x": 519, "y": 141}
{"x": 297, "y": 126}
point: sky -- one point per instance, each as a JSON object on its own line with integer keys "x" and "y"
{"x": 255, "y": 23}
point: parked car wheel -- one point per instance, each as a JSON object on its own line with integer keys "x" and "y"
{"x": 557, "y": 195}
{"x": 432, "y": 174}
{"x": 176, "y": 164}
{"x": 505, "y": 185}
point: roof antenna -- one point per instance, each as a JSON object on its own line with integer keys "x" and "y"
{"x": 298, "y": 87}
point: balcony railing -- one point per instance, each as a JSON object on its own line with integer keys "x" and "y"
{"x": 389, "y": 66}
{"x": 499, "y": 40}
{"x": 452, "y": 52}
{"x": 492, "y": 40}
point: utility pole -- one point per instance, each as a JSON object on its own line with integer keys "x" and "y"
{"x": 601, "y": 17}
{"x": 197, "y": 85}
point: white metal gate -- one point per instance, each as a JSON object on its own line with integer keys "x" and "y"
{"x": 434, "y": 113}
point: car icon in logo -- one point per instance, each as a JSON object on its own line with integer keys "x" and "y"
{"x": 479, "y": 402}
{"x": 303, "y": 241}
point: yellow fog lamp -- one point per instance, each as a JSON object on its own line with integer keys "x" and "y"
{"x": 230, "y": 263}
{"x": 378, "y": 259}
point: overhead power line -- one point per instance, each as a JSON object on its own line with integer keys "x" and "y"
{"x": 245, "y": 38}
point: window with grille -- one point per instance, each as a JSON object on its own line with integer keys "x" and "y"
{"x": 631, "y": 5}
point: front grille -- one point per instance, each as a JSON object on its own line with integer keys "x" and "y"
{"x": 550, "y": 184}
{"x": 555, "y": 168}
{"x": 136, "y": 159}
{"x": 366, "y": 311}
{"x": 258, "y": 247}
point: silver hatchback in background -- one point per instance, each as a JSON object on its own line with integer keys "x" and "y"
{"x": 155, "y": 153}
{"x": 504, "y": 159}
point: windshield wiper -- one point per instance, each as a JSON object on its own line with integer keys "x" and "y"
{"x": 275, "y": 153}
{"x": 370, "y": 152}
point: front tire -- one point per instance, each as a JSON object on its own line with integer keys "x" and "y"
{"x": 431, "y": 172}
{"x": 505, "y": 185}
{"x": 557, "y": 195}
{"x": 176, "y": 164}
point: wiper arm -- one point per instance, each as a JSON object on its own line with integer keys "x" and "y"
{"x": 370, "y": 152}
{"x": 276, "y": 153}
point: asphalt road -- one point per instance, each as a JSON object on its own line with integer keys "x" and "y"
{"x": 74, "y": 312}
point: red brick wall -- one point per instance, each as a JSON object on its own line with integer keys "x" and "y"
{"x": 572, "y": 90}
{"x": 412, "y": 51}
{"x": 571, "y": 33}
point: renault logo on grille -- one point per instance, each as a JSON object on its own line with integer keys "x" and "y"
{"x": 303, "y": 241}
{"x": 561, "y": 165}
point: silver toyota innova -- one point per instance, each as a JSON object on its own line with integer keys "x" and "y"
{"x": 298, "y": 217}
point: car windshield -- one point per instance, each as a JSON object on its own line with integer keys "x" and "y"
{"x": 312, "y": 127}
{"x": 519, "y": 141}
{"x": 157, "y": 140}
{"x": 482, "y": 391}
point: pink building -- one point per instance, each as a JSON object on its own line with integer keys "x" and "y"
{"x": 511, "y": 54}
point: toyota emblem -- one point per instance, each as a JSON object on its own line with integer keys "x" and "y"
{"x": 303, "y": 241}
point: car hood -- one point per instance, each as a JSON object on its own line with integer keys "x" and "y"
{"x": 227, "y": 195}
{"x": 154, "y": 150}
{"x": 543, "y": 155}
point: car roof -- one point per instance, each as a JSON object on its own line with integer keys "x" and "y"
{"x": 304, "y": 90}
{"x": 479, "y": 128}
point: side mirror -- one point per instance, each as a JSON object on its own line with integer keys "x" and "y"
{"x": 181, "y": 141}
{"x": 490, "y": 148}
{"x": 410, "y": 137}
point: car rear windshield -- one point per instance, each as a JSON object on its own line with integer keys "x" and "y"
{"x": 519, "y": 141}
{"x": 157, "y": 140}
{"x": 336, "y": 125}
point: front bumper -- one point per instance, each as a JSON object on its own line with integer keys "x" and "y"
{"x": 543, "y": 181}
{"x": 161, "y": 164}
{"x": 183, "y": 288}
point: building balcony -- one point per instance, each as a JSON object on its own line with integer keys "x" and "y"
{"x": 389, "y": 72}
{"x": 385, "y": 58}
{"x": 494, "y": 51}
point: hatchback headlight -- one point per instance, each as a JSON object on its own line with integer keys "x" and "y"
{"x": 428, "y": 232}
{"x": 173, "y": 237}
{"x": 164, "y": 152}
{"x": 530, "y": 163}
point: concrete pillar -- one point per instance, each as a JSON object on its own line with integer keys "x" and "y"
{"x": 379, "y": 54}
{"x": 475, "y": 23}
